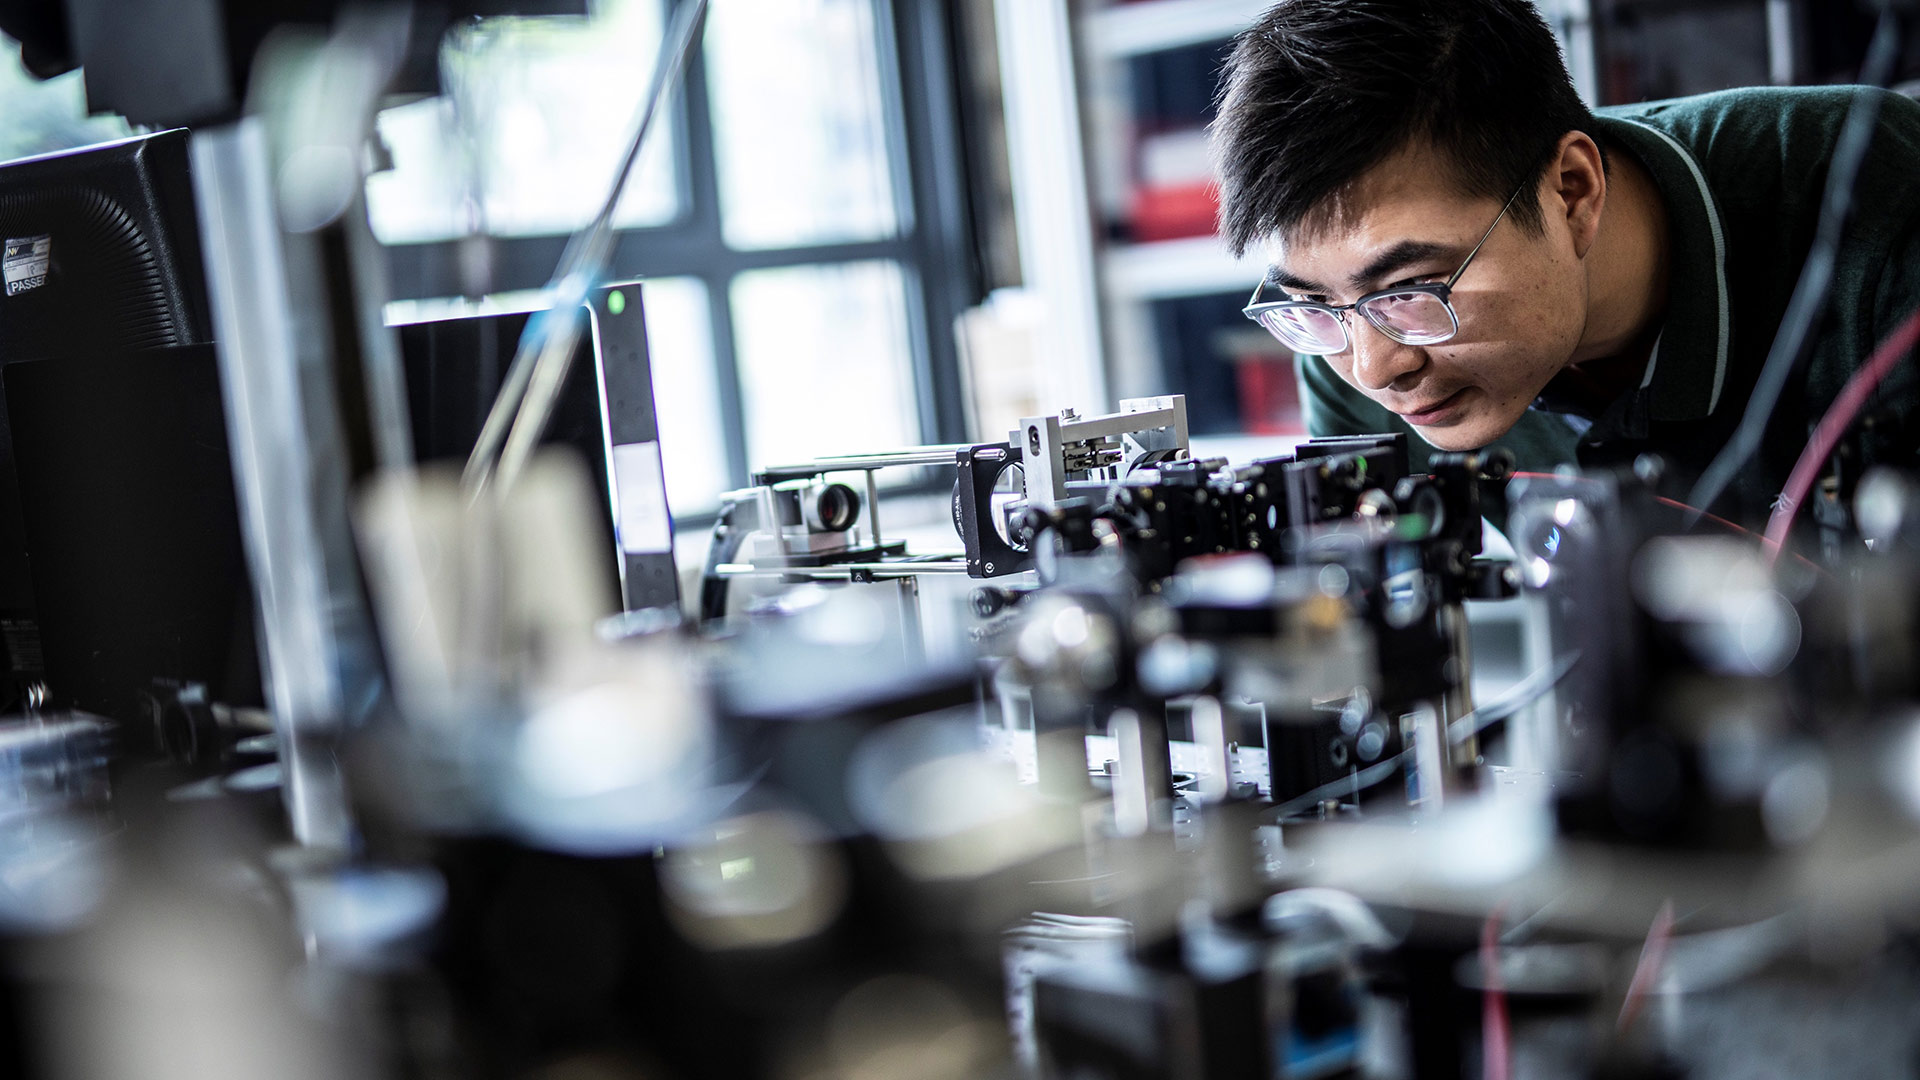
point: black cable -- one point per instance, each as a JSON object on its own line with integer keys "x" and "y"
{"x": 1812, "y": 291}
{"x": 1519, "y": 696}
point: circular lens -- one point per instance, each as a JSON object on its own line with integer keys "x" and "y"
{"x": 1313, "y": 330}
{"x": 832, "y": 508}
{"x": 1009, "y": 499}
{"x": 1411, "y": 318}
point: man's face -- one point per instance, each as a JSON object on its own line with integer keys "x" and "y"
{"x": 1522, "y": 304}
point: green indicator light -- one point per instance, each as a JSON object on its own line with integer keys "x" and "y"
{"x": 616, "y": 301}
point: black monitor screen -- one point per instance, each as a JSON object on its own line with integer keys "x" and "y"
{"x": 454, "y": 367}
{"x": 99, "y": 259}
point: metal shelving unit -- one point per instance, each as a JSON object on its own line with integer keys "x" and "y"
{"x": 1164, "y": 269}
{"x": 1143, "y": 280}
{"x": 1145, "y": 26}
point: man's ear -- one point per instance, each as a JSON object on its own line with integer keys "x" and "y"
{"x": 1576, "y": 185}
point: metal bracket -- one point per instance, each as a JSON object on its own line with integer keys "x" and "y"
{"x": 1150, "y": 431}
{"x": 988, "y": 555}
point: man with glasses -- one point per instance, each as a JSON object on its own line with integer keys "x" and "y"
{"x": 1460, "y": 248}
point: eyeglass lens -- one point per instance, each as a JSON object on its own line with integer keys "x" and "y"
{"x": 1307, "y": 330}
{"x": 1411, "y": 318}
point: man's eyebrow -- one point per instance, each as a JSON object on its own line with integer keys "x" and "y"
{"x": 1278, "y": 277}
{"x": 1396, "y": 258}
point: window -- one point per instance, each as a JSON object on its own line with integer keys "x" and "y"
{"x": 41, "y": 117}
{"x": 799, "y": 221}
{"x": 692, "y": 433}
{"x": 802, "y": 330}
{"x": 799, "y": 128}
{"x": 530, "y": 131}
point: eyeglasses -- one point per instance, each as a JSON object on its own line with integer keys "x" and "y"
{"x": 1409, "y": 314}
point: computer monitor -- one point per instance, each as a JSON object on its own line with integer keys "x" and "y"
{"x": 102, "y": 303}
{"x": 456, "y": 357}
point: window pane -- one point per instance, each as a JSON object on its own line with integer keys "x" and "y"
{"x": 680, "y": 347}
{"x": 427, "y": 195}
{"x": 825, "y": 364}
{"x": 41, "y": 117}
{"x": 799, "y": 127}
{"x": 532, "y": 127}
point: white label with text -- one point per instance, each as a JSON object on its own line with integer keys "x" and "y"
{"x": 24, "y": 265}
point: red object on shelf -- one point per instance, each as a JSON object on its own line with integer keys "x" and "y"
{"x": 1173, "y": 212}
{"x": 1173, "y": 193}
{"x": 1269, "y": 396}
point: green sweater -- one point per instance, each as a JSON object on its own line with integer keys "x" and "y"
{"x": 1742, "y": 174}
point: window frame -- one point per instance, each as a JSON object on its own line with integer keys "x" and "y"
{"x": 934, "y": 247}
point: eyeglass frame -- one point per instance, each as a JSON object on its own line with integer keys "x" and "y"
{"x": 1439, "y": 290}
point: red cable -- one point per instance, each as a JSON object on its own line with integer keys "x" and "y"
{"x": 1494, "y": 1053}
{"x": 1826, "y": 436}
{"x": 1733, "y": 526}
{"x": 1653, "y": 955}
{"x": 1676, "y": 504}
{"x": 1661, "y": 499}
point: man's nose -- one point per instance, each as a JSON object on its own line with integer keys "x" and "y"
{"x": 1378, "y": 360}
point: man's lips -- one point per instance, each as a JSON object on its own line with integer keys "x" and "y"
{"x": 1434, "y": 413}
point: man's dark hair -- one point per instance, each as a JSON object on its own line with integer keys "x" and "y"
{"x": 1319, "y": 91}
